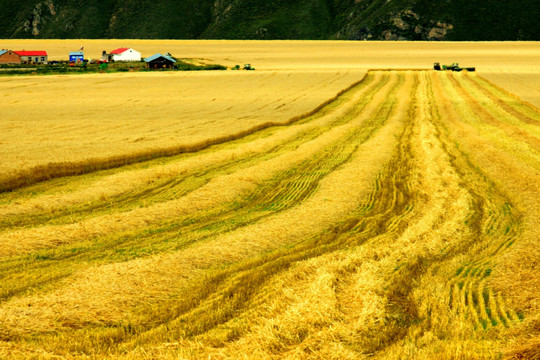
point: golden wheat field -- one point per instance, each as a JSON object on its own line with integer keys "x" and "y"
{"x": 119, "y": 117}
{"x": 345, "y": 210}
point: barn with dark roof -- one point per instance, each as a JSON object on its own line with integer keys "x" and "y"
{"x": 158, "y": 61}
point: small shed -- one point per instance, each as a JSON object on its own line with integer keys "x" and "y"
{"x": 158, "y": 61}
{"x": 106, "y": 57}
{"x": 36, "y": 57}
{"x": 76, "y": 56}
{"x": 9, "y": 57}
{"x": 125, "y": 54}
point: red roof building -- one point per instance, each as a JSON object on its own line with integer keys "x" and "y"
{"x": 32, "y": 53}
{"x": 119, "y": 50}
{"x": 37, "y": 57}
{"x": 125, "y": 54}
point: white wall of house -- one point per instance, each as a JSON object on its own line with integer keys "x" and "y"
{"x": 128, "y": 55}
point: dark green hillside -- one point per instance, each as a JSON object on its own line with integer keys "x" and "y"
{"x": 496, "y": 20}
{"x": 281, "y": 19}
{"x": 273, "y": 19}
{"x": 163, "y": 19}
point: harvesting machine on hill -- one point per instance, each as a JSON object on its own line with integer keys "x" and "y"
{"x": 454, "y": 67}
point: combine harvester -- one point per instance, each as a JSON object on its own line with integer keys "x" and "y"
{"x": 453, "y": 67}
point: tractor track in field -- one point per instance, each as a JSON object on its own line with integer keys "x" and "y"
{"x": 496, "y": 223}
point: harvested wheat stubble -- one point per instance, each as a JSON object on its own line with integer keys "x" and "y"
{"x": 520, "y": 167}
{"x": 154, "y": 115}
{"x": 230, "y": 187}
{"x": 134, "y": 180}
{"x": 525, "y": 84}
{"x": 399, "y": 221}
{"x": 509, "y": 102}
{"x": 330, "y": 203}
{"x": 327, "y": 301}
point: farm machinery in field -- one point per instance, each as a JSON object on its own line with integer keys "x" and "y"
{"x": 246, "y": 67}
{"x": 453, "y": 67}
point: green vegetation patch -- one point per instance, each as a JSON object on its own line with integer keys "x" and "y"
{"x": 85, "y": 68}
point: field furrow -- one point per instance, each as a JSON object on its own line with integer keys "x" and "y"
{"x": 508, "y": 102}
{"x": 491, "y": 113}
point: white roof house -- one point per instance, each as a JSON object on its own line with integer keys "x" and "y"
{"x": 126, "y": 54}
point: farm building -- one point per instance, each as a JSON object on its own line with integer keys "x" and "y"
{"x": 158, "y": 61}
{"x": 37, "y": 57}
{"x": 125, "y": 54}
{"x": 76, "y": 56}
{"x": 105, "y": 57}
{"x": 9, "y": 57}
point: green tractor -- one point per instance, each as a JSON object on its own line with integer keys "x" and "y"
{"x": 246, "y": 67}
{"x": 453, "y": 67}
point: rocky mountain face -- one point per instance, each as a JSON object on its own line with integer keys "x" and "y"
{"x": 274, "y": 19}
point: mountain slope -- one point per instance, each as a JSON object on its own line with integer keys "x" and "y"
{"x": 277, "y": 19}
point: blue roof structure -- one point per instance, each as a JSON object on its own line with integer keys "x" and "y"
{"x": 76, "y": 53}
{"x": 2, "y": 52}
{"x": 157, "y": 56}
